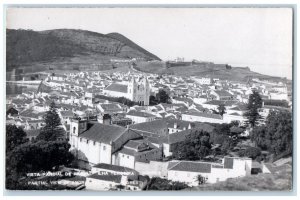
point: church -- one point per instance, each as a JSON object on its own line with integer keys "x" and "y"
{"x": 137, "y": 90}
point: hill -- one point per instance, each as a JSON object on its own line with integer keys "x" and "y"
{"x": 203, "y": 69}
{"x": 61, "y": 47}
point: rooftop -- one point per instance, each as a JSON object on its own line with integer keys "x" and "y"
{"x": 102, "y": 133}
{"x": 117, "y": 87}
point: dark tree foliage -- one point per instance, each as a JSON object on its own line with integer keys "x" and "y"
{"x": 221, "y": 109}
{"x": 252, "y": 115}
{"x": 162, "y": 96}
{"x": 280, "y": 103}
{"x": 222, "y": 135}
{"x": 201, "y": 179}
{"x": 35, "y": 157}
{"x": 157, "y": 183}
{"x": 251, "y": 152}
{"x": 195, "y": 147}
{"x": 14, "y": 137}
{"x": 52, "y": 130}
{"x": 152, "y": 100}
{"x": 277, "y": 135}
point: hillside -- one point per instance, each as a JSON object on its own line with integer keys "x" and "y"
{"x": 63, "y": 47}
{"x": 203, "y": 69}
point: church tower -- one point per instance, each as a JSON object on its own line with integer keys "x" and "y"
{"x": 132, "y": 89}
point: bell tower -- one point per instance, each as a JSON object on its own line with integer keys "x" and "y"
{"x": 78, "y": 126}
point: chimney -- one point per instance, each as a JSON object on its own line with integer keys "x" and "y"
{"x": 190, "y": 126}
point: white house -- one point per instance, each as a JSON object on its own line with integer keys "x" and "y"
{"x": 140, "y": 117}
{"x": 104, "y": 181}
{"x": 95, "y": 143}
{"x": 194, "y": 116}
{"x": 187, "y": 171}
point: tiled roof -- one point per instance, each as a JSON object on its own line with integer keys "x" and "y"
{"x": 67, "y": 113}
{"x": 140, "y": 114}
{"x": 114, "y": 168}
{"x": 102, "y": 133}
{"x": 117, "y": 87}
{"x": 223, "y": 93}
{"x": 127, "y": 151}
{"x": 190, "y": 166}
{"x": 153, "y": 126}
{"x": 220, "y": 102}
{"x": 107, "y": 177}
{"x": 206, "y": 115}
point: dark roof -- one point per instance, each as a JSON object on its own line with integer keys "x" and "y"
{"x": 107, "y": 177}
{"x": 191, "y": 166}
{"x": 139, "y": 114}
{"x": 102, "y": 133}
{"x": 220, "y": 102}
{"x": 114, "y": 168}
{"x": 223, "y": 93}
{"x": 111, "y": 106}
{"x": 117, "y": 87}
{"x": 128, "y": 151}
{"x": 177, "y": 137}
{"x": 153, "y": 126}
{"x": 207, "y": 115}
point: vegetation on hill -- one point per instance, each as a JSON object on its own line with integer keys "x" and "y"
{"x": 221, "y": 71}
{"x": 27, "y": 46}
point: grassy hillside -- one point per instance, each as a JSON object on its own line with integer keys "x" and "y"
{"x": 201, "y": 70}
{"x": 68, "y": 47}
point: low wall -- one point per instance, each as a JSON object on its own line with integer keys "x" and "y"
{"x": 152, "y": 169}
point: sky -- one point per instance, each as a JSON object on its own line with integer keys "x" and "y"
{"x": 260, "y": 38}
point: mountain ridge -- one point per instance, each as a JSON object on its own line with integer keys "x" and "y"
{"x": 27, "y": 46}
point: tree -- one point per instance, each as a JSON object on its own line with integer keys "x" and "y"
{"x": 276, "y": 135}
{"x": 52, "y": 130}
{"x": 162, "y": 96}
{"x": 152, "y": 100}
{"x": 35, "y": 157}
{"x": 221, "y": 109}
{"x": 14, "y": 137}
{"x": 251, "y": 152}
{"x": 195, "y": 147}
{"x": 201, "y": 179}
{"x": 254, "y": 103}
{"x": 157, "y": 183}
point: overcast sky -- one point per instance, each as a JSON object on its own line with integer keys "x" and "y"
{"x": 258, "y": 38}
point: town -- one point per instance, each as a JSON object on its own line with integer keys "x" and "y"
{"x": 128, "y": 130}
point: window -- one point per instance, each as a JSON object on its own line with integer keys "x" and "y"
{"x": 94, "y": 143}
{"x": 87, "y": 141}
{"x": 123, "y": 155}
{"x": 128, "y": 157}
{"x": 104, "y": 148}
{"x": 80, "y": 139}
{"x": 74, "y": 130}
